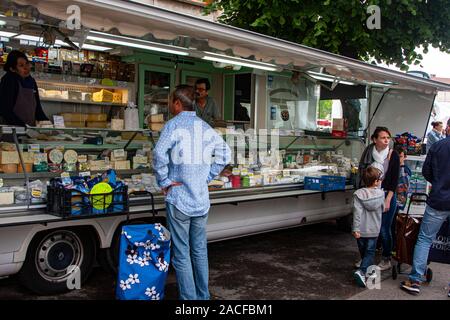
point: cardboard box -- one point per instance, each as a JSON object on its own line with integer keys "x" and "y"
{"x": 74, "y": 117}
{"x": 96, "y": 117}
{"x": 96, "y": 124}
{"x": 9, "y": 157}
{"x": 75, "y": 124}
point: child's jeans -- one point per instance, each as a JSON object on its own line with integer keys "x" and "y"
{"x": 367, "y": 247}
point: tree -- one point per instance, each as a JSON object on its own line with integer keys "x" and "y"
{"x": 339, "y": 26}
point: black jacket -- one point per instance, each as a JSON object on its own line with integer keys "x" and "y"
{"x": 436, "y": 171}
{"x": 9, "y": 89}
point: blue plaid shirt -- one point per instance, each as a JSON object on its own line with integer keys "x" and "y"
{"x": 189, "y": 151}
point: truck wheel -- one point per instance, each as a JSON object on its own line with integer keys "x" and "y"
{"x": 345, "y": 223}
{"x": 53, "y": 258}
{"x": 108, "y": 258}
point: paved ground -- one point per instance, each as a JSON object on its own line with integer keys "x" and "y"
{"x": 310, "y": 262}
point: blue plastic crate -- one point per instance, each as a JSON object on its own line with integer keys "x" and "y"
{"x": 324, "y": 183}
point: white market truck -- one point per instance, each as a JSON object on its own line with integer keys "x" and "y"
{"x": 284, "y": 79}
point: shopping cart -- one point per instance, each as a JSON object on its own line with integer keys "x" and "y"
{"x": 407, "y": 232}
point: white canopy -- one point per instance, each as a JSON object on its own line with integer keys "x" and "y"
{"x": 132, "y": 18}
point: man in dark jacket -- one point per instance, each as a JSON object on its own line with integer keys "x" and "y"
{"x": 436, "y": 171}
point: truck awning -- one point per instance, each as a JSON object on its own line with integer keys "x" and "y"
{"x": 136, "y": 19}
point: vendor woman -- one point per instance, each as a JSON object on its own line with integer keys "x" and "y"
{"x": 19, "y": 97}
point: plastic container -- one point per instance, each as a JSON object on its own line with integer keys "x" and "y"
{"x": 324, "y": 183}
{"x": 69, "y": 202}
{"x": 236, "y": 181}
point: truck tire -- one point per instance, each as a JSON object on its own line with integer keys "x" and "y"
{"x": 345, "y": 223}
{"x": 108, "y": 258}
{"x": 48, "y": 267}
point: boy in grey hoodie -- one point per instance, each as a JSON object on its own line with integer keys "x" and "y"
{"x": 368, "y": 207}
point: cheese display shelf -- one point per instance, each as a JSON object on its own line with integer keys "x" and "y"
{"x": 26, "y": 175}
{"x": 84, "y": 102}
{"x": 266, "y": 175}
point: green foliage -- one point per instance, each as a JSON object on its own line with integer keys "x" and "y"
{"x": 325, "y": 108}
{"x": 339, "y": 26}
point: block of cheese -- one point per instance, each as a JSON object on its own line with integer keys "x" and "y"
{"x": 156, "y": 126}
{"x": 75, "y": 95}
{"x": 96, "y": 124}
{"x": 96, "y": 117}
{"x": 53, "y": 94}
{"x": 86, "y": 96}
{"x": 6, "y": 197}
{"x": 103, "y": 96}
{"x": 117, "y": 97}
{"x": 28, "y": 157}
{"x": 9, "y": 157}
{"x": 122, "y": 165}
{"x": 74, "y": 117}
{"x": 117, "y": 124}
{"x": 98, "y": 165}
{"x": 156, "y": 118}
{"x": 75, "y": 124}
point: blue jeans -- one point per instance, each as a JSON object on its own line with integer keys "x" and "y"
{"x": 431, "y": 223}
{"x": 386, "y": 224}
{"x": 190, "y": 253}
{"x": 367, "y": 247}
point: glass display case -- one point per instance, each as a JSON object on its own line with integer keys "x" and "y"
{"x": 155, "y": 87}
{"x": 277, "y": 164}
{"x": 47, "y": 153}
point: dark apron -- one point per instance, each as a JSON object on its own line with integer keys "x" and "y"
{"x": 25, "y": 107}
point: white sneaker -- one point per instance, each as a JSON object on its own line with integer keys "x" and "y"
{"x": 358, "y": 264}
{"x": 385, "y": 265}
{"x": 360, "y": 278}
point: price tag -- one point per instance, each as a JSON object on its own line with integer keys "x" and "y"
{"x": 34, "y": 148}
{"x": 85, "y": 174}
{"x": 36, "y": 192}
{"x": 58, "y": 121}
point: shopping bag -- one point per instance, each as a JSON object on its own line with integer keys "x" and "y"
{"x": 144, "y": 260}
{"x": 440, "y": 249}
{"x": 407, "y": 231}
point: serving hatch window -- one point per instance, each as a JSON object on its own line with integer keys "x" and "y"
{"x": 292, "y": 102}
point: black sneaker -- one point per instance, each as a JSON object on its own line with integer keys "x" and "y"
{"x": 360, "y": 278}
{"x": 410, "y": 287}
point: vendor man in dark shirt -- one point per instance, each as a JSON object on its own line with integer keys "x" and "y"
{"x": 205, "y": 107}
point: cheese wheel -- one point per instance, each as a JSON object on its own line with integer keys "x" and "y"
{"x": 71, "y": 156}
{"x": 55, "y": 156}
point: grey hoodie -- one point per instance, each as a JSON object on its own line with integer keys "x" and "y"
{"x": 368, "y": 206}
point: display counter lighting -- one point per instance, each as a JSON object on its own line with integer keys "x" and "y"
{"x": 7, "y": 34}
{"x": 324, "y": 77}
{"x": 210, "y": 56}
{"x": 94, "y": 47}
{"x": 135, "y": 43}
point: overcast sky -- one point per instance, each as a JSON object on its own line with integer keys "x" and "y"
{"x": 434, "y": 62}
